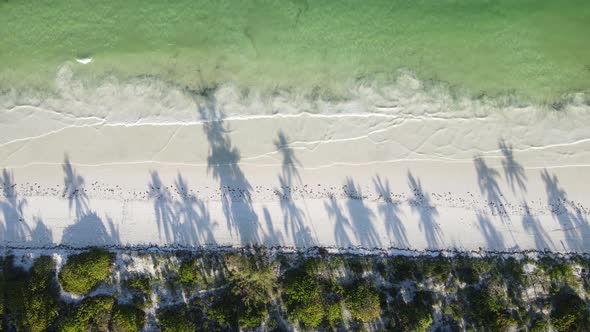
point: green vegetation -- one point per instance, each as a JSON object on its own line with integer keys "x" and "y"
{"x": 84, "y": 271}
{"x": 92, "y": 314}
{"x": 40, "y": 305}
{"x": 570, "y": 312}
{"x": 127, "y": 318}
{"x": 363, "y": 303}
{"x": 305, "y": 300}
{"x": 487, "y": 308}
{"x": 140, "y": 287}
{"x": 29, "y": 298}
{"x": 536, "y": 48}
{"x": 176, "y": 319}
{"x": 252, "y": 289}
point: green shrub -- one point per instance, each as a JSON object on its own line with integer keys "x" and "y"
{"x": 84, "y": 271}
{"x": 414, "y": 316}
{"x": 14, "y": 284}
{"x": 188, "y": 272}
{"x": 140, "y": 283}
{"x": 304, "y": 300}
{"x": 40, "y": 305}
{"x": 363, "y": 302}
{"x": 252, "y": 282}
{"x": 176, "y": 319}
{"x": 127, "y": 318}
{"x": 405, "y": 268}
{"x": 334, "y": 312}
{"x": 223, "y": 308}
{"x": 569, "y": 311}
{"x": 486, "y": 308}
{"x": 92, "y": 314}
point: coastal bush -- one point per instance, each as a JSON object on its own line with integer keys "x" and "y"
{"x": 176, "y": 319}
{"x": 304, "y": 300}
{"x": 127, "y": 318}
{"x": 404, "y": 268}
{"x": 84, "y": 271}
{"x": 559, "y": 271}
{"x": 437, "y": 268}
{"x": 92, "y": 314}
{"x": 486, "y": 308}
{"x": 139, "y": 283}
{"x": 223, "y": 309}
{"x": 140, "y": 287}
{"x": 187, "y": 273}
{"x": 253, "y": 281}
{"x": 415, "y": 316}
{"x": 29, "y": 298}
{"x": 363, "y": 302}
{"x": 569, "y": 312}
{"x": 14, "y": 286}
{"x": 40, "y": 300}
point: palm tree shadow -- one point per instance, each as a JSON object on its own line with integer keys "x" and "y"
{"x": 420, "y": 202}
{"x": 489, "y": 187}
{"x": 290, "y": 161}
{"x": 89, "y": 228}
{"x": 293, "y": 216}
{"x": 493, "y": 237}
{"x": 15, "y": 227}
{"x": 389, "y": 211}
{"x": 513, "y": 171}
{"x": 341, "y": 223}
{"x": 223, "y": 163}
{"x": 41, "y": 235}
{"x": 74, "y": 189}
{"x": 163, "y": 206}
{"x": 271, "y": 237}
{"x": 194, "y": 222}
{"x": 571, "y": 218}
{"x": 361, "y": 217}
{"x": 533, "y": 225}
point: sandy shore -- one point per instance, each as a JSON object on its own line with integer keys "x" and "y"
{"x": 147, "y": 164}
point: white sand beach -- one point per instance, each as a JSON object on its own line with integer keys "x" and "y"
{"x": 143, "y": 163}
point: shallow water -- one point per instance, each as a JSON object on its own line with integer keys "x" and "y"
{"x": 536, "y": 49}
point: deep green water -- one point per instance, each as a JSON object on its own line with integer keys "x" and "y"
{"x": 538, "y": 49}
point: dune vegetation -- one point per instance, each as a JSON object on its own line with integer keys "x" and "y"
{"x": 253, "y": 287}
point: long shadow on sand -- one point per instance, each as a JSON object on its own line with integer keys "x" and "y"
{"x": 194, "y": 222}
{"x": 89, "y": 228}
{"x": 341, "y": 223}
{"x": 181, "y": 217}
{"x": 389, "y": 210}
{"x": 487, "y": 179}
{"x": 235, "y": 189}
{"x": 533, "y": 225}
{"x": 513, "y": 171}
{"x": 493, "y": 238}
{"x": 293, "y": 217}
{"x": 74, "y": 189}
{"x": 14, "y": 228}
{"x": 420, "y": 202}
{"x": 571, "y": 217}
{"x": 361, "y": 217}
{"x": 163, "y": 207}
